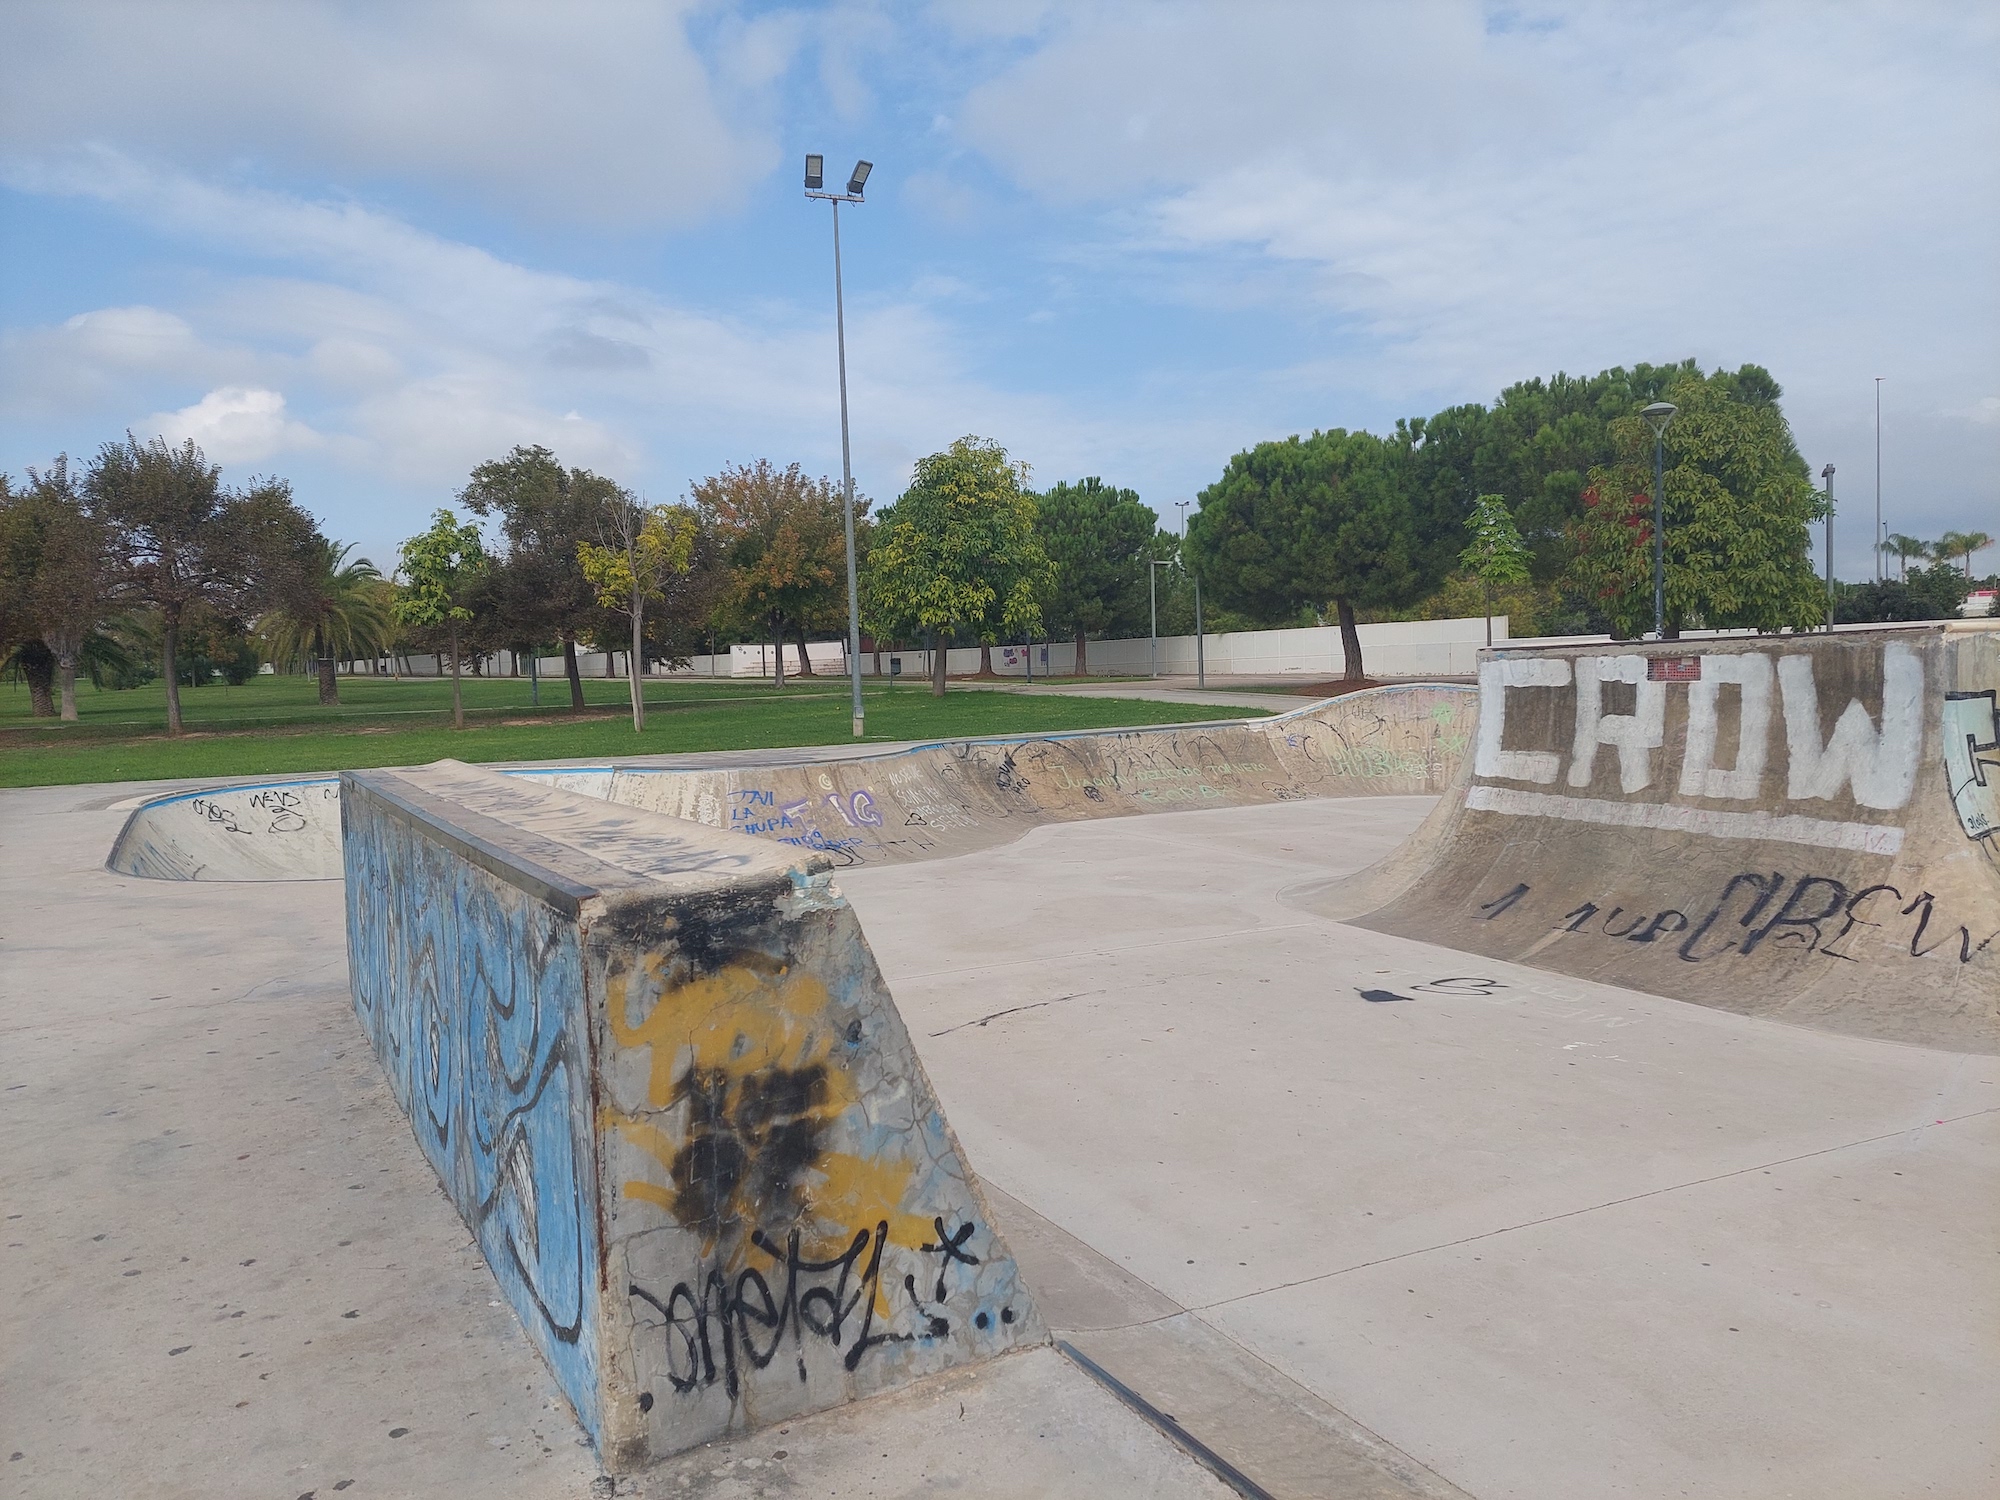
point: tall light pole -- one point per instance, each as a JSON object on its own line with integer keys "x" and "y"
{"x": 815, "y": 188}
{"x": 1657, "y": 416}
{"x": 1878, "y": 478}
{"x": 1827, "y": 475}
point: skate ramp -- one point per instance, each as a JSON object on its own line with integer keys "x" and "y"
{"x": 928, "y": 802}
{"x": 659, "y": 1075}
{"x": 1802, "y": 828}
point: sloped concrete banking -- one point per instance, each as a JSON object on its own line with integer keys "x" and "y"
{"x": 924, "y": 803}
{"x": 1807, "y": 829}
{"x": 658, "y": 1073}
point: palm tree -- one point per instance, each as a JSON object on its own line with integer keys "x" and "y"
{"x": 328, "y": 609}
{"x": 1961, "y": 544}
{"x": 1903, "y": 548}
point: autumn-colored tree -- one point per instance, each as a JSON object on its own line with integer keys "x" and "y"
{"x": 645, "y": 550}
{"x": 785, "y": 549}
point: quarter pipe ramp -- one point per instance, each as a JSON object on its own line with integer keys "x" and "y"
{"x": 1806, "y": 829}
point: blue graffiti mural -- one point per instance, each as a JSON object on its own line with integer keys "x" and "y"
{"x": 471, "y": 991}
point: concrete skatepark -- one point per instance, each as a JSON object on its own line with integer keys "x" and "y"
{"x": 1364, "y": 1213}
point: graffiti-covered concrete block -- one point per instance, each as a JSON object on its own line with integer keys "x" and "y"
{"x": 656, "y": 1068}
{"x": 1800, "y": 827}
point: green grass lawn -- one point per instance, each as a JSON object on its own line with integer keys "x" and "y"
{"x": 275, "y": 724}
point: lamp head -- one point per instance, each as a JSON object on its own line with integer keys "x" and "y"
{"x": 859, "y": 179}
{"x": 1658, "y": 415}
{"x": 815, "y": 173}
{"x": 1827, "y": 472}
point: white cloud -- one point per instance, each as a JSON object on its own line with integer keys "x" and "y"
{"x": 234, "y": 425}
{"x": 1462, "y": 197}
{"x": 597, "y": 109}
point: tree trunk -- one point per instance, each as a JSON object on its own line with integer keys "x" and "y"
{"x": 457, "y": 706}
{"x": 610, "y": 665}
{"x": 937, "y": 667}
{"x": 170, "y": 652}
{"x": 1082, "y": 661}
{"x": 878, "y": 661}
{"x": 805, "y": 661}
{"x": 329, "y": 686}
{"x": 985, "y": 658}
{"x": 634, "y": 658}
{"x": 1489, "y": 615}
{"x": 573, "y": 673}
{"x": 38, "y": 665}
{"x": 778, "y": 649}
{"x": 1350, "y": 642}
{"x": 66, "y": 678}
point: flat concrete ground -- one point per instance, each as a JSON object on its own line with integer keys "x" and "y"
{"x": 1544, "y": 1237}
{"x": 1512, "y": 1235}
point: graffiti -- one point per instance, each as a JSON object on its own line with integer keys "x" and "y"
{"x": 717, "y": 1323}
{"x": 470, "y": 991}
{"x": 1870, "y": 758}
{"x": 1797, "y": 914}
{"x": 1972, "y": 776}
{"x": 284, "y": 806}
{"x": 219, "y": 814}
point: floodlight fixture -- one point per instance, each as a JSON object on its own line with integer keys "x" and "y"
{"x": 815, "y": 173}
{"x": 1658, "y": 415}
{"x": 859, "y": 178}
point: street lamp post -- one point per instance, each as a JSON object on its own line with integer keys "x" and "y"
{"x": 1657, "y": 416}
{"x": 1827, "y": 475}
{"x": 815, "y": 188}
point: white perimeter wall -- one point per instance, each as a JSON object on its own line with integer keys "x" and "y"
{"x": 1410, "y": 648}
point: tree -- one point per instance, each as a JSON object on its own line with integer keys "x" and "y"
{"x": 56, "y": 570}
{"x": 440, "y": 568}
{"x": 538, "y": 591}
{"x": 959, "y": 550}
{"x": 1306, "y": 521}
{"x": 326, "y": 608}
{"x": 1903, "y": 548}
{"x": 785, "y": 548}
{"x": 1738, "y": 503}
{"x": 1096, "y": 538}
{"x": 183, "y": 540}
{"x": 1496, "y": 556}
{"x": 1961, "y": 544}
{"x": 648, "y": 547}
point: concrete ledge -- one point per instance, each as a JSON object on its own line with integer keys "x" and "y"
{"x": 657, "y": 1072}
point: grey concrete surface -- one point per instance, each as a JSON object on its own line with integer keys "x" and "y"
{"x": 1546, "y": 1237}
{"x": 1534, "y": 1236}
{"x": 1028, "y": 1424}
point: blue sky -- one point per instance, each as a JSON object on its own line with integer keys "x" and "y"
{"x": 367, "y": 246}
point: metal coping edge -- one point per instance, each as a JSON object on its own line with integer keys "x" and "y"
{"x": 1195, "y": 1448}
